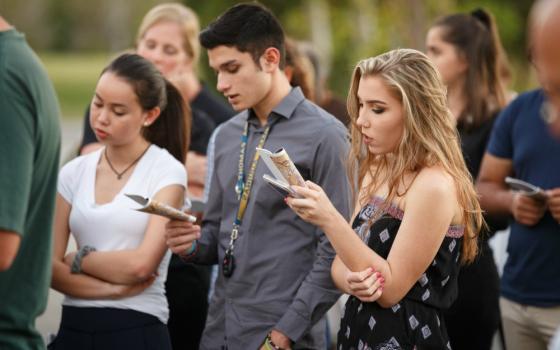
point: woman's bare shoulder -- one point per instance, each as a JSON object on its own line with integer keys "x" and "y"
{"x": 435, "y": 188}
{"x": 434, "y": 179}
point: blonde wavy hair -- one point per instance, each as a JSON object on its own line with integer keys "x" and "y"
{"x": 429, "y": 138}
{"x": 184, "y": 17}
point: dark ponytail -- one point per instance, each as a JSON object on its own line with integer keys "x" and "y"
{"x": 476, "y": 38}
{"x": 171, "y": 130}
{"x": 488, "y": 21}
{"x": 484, "y": 18}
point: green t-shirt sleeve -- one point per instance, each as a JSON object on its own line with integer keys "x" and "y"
{"x": 16, "y": 158}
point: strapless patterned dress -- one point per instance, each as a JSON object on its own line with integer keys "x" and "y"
{"x": 416, "y": 322}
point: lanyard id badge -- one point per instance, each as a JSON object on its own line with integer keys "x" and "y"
{"x": 243, "y": 190}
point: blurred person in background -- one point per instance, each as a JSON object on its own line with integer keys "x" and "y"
{"x": 545, "y": 23}
{"x": 522, "y": 145}
{"x": 322, "y": 95}
{"x": 299, "y": 69}
{"x": 466, "y": 50}
{"x": 29, "y": 157}
{"x": 168, "y": 37}
{"x": 114, "y": 284}
{"x": 544, "y": 35}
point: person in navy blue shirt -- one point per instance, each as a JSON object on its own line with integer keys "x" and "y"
{"x": 522, "y": 145}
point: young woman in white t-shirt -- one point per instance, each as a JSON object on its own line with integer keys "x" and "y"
{"x": 114, "y": 284}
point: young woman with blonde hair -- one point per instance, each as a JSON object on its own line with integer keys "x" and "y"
{"x": 417, "y": 215}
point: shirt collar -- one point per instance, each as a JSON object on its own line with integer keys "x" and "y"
{"x": 285, "y": 108}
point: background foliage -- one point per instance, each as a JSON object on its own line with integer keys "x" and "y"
{"x": 76, "y": 38}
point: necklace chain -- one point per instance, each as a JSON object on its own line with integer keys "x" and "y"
{"x": 120, "y": 174}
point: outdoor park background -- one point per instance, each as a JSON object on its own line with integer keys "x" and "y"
{"x": 76, "y": 38}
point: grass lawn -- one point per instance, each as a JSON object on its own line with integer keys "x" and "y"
{"x": 74, "y": 76}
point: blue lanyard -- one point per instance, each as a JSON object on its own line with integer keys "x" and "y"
{"x": 242, "y": 187}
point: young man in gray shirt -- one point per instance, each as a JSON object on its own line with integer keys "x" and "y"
{"x": 274, "y": 284}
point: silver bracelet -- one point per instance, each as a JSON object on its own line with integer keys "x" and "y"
{"x": 77, "y": 262}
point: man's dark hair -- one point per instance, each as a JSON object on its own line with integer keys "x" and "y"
{"x": 249, "y": 28}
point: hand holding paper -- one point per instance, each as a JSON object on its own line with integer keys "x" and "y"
{"x": 554, "y": 202}
{"x": 162, "y": 209}
{"x": 314, "y": 206}
{"x": 284, "y": 170}
{"x": 526, "y": 188}
{"x": 529, "y": 202}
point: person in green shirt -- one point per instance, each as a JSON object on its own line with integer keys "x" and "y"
{"x": 29, "y": 159}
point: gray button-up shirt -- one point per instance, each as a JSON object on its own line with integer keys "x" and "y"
{"x": 282, "y": 276}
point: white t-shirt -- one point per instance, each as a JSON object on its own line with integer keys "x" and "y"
{"x": 115, "y": 226}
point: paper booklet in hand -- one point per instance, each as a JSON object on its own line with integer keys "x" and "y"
{"x": 526, "y": 188}
{"x": 284, "y": 171}
{"x": 161, "y": 209}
